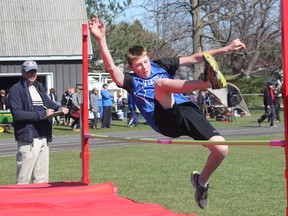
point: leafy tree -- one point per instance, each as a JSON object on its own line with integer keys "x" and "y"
{"x": 248, "y": 86}
{"x": 125, "y": 35}
{"x": 122, "y": 36}
{"x": 196, "y": 25}
{"x": 108, "y": 11}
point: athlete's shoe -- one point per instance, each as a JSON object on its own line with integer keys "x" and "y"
{"x": 212, "y": 72}
{"x": 201, "y": 193}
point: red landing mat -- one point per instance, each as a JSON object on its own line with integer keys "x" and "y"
{"x": 72, "y": 199}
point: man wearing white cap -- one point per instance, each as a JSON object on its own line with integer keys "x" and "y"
{"x": 29, "y": 103}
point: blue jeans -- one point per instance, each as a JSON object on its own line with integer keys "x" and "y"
{"x": 95, "y": 119}
{"x": 133, "y": 118}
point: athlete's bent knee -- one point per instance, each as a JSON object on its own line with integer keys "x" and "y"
{"x": 160, "y": 83}
{"x": 223, "y": 150}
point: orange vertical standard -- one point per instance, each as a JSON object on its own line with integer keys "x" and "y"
{"x": 284, "y": 13}
{"x": 84, "y": 107}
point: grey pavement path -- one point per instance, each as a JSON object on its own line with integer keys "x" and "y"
{"x": 8, "y": 146}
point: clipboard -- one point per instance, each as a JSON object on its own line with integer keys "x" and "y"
{"x": 57, "y": 113}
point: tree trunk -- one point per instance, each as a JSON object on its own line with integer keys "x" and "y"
{"x": 197, "y": 30}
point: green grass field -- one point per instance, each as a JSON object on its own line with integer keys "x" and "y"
{"x": 250, "y": 182}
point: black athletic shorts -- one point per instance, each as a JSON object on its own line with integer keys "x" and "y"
{"x": 184, "y": 119}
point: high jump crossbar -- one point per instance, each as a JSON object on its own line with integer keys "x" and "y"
{"x": 279, "y": 143}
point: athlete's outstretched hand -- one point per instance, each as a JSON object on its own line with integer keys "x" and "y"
{"x": 236, "y": 45}
{"x": 97, "y": 28}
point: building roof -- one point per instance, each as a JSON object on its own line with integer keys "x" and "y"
{"x": 42, "y": 29}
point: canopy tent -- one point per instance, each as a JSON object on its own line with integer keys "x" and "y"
{"x": 230, "y": 97}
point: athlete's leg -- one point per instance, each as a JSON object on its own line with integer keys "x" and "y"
{"x": 200, "y": 180}
{"x": 217, "y": 155}
{"x": 164, "y": 89}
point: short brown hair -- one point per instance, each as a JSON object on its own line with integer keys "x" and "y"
{"x": 52, "y": 90}
{"x": 135, "y": 52}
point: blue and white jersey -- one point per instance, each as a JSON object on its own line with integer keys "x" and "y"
{"x": 142, "y": 90}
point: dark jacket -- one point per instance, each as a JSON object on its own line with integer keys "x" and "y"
{"x": 267, "y": 97}
{"x": 26, "y": 116}
{"x": 65, "y": 99}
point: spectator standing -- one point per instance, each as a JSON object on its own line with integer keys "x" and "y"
{"x": 107, "y": 98}
{"x": 7, "y": 101}
{"x": 66, "y": 102}
{"x": 94, "y": 107}
{"x": 29, "y": 103}
{"x": 268, "y": 100}
{"x": 76, "y": 105}
{"x": 53, "y": 97}
{"x": 278, "y": 98}
{"x": 2, "y": 100}
{"x": 203, "y": 101}
{"x": 133, "y": 114}
{"x": 119, "y": 102}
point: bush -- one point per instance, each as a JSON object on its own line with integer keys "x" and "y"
{"x": 252, "y": 86}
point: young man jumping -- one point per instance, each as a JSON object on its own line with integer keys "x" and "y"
{"x": 160, "y": 98}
